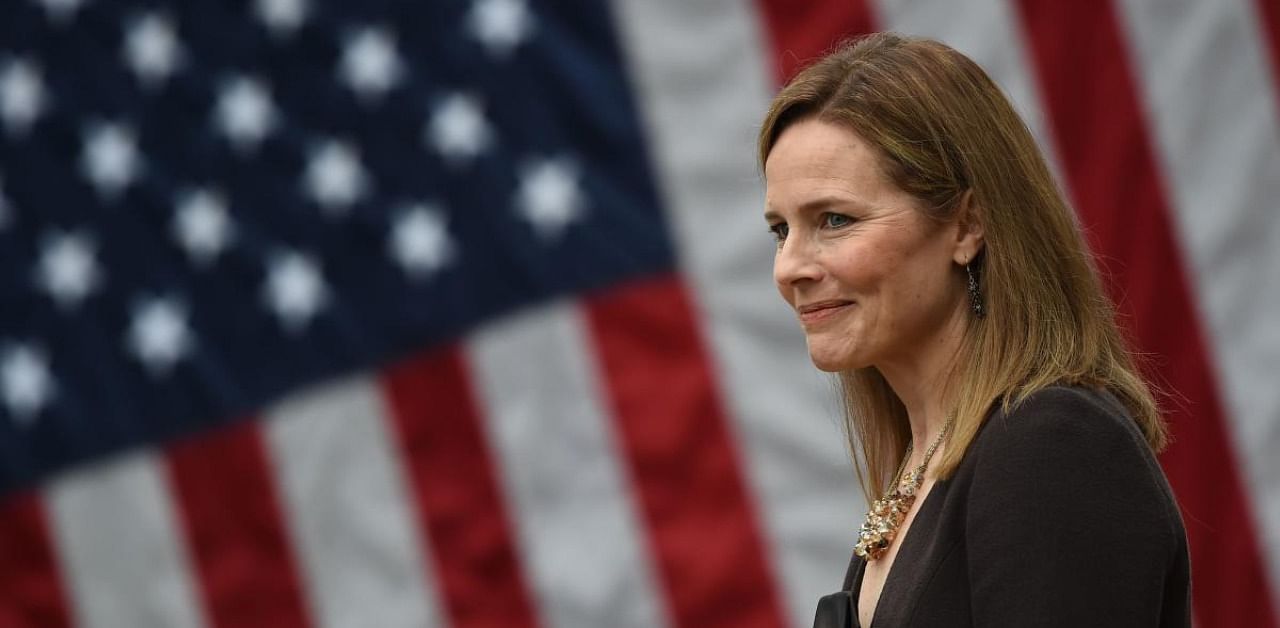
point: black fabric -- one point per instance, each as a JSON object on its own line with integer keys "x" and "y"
{"x": 1059, "y": 515}
{"x": 835, "y": 611}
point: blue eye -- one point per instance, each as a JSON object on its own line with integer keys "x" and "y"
{"x": 835, "y": 221}
{"x": 779, "y": 231}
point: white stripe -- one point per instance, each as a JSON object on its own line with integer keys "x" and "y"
{"x": 121, "y": 547}
{"x": 704, "y": 85}
{"x": 1209, "y": 96}
{"x": 988, "y": 32}
{"x": 581, "y": 540}
{"x": 348, "y": 508}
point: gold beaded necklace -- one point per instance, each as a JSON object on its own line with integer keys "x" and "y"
{"x": 881, "y": 525}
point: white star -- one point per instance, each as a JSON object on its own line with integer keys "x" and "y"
{"x": 22, "y": 95}
{"x": 201, "y": 225}
{"x": 370, "y": 65}
{"x": 549, "y": 196}
{"x": 458, "y": 129}
{"x": 281, "y": 17}
{"x": 67, "y": 269}
{"x": 294, "y": 290}
{"x": 158, "y": 334}
{"x": 25, "y": 382}
{"x": 335, "y": 179}
{"x": 151, "y": 48}
{"x": 245, "y": 112}
{"x": 419, "y": 241}
{"x": 500, "y": 25}
{"x": 110, "y": 158}
{"x": 60, "y": 11}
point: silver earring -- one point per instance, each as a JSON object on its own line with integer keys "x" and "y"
{"x": 975, "y": 295}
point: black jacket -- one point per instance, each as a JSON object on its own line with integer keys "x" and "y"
{"x": 1058, "y": 515}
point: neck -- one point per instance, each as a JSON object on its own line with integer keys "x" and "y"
{"x": 921, "y": 383}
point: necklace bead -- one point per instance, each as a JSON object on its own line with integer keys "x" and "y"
{"x": 880, "y": 527}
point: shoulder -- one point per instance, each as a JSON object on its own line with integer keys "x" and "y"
{"x": 1069, "y": 451}
{"x": 1063, "y": 419}
{"x": 1066, "y": 514}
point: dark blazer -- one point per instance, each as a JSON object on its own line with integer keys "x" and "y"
{"x": 1058, "y": 515}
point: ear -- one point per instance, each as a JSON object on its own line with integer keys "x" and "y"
{"x": 968, "y": 229}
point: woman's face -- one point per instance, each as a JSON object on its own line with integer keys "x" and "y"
{"x": 873, "y": 281}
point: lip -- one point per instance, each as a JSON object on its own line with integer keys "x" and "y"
{"x": 821, "y": 310}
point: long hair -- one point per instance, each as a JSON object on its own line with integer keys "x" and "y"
{"x": 941, "y": 128}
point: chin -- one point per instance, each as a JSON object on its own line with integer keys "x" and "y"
{"x": 834, "y": 351}
{"x": 834, "y": 363}
{"x": 827, "y": 368}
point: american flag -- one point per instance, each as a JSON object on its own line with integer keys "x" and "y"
{"x": 459, "y": 313}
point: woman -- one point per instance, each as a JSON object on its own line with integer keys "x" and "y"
{"x": 992, "y": 404}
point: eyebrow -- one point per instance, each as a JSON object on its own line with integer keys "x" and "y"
{"x": 816, "y": 204}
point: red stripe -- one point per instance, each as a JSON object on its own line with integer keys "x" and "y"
{"x": 682, "y": 457}
{"x": 1269, "y": 13}
{"x": 231, "y": 512}
{"x": 1110, "y": 166}
{"x": 452, "y": 473}
{"x": 30, "y": 589}
{"x": 803, "y": 31}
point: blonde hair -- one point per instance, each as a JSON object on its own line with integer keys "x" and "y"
{"x": 942, "y": 128}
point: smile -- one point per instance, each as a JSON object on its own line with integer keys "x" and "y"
{"x": 818, "y": 312}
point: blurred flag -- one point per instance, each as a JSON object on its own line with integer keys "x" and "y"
{"x": 459, "y": 313}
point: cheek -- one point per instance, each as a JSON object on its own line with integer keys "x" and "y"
{"x": 925, "y": 291}
{"x": 902, "y": 284}
{"x": 869, "y": 270}
{"x": 859, "y": 267}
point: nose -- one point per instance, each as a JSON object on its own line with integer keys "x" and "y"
{"x": 795, "y": 263}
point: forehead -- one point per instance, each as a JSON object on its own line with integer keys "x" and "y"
{"x": 814, "y": 157}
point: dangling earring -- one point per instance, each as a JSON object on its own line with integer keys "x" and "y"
{"x": 975, "y": 295}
